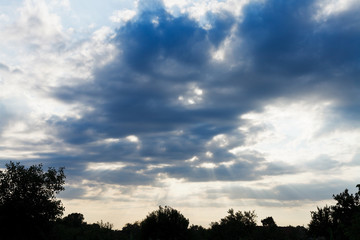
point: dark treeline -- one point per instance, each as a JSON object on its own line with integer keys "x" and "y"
{"x": 167, "y": 223}
{"x": 29, "y": 210}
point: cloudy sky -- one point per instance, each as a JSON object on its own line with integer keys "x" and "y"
{"x": 200, "y": 105}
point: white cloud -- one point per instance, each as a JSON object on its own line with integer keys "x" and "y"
{"x": 193, "y": 96}
{"x": 50, "y": 56}
{"x": 40, "y": 55}
{"x": 37, "y": 25}
{"x": 105, "y": 166}
{"x": 122, "y": 16}
{"x": 328, "y": 8}
{"x": 4, "y": 17}
{"x": 61, "y": 3}
{"x": 207, "y": 165}
{"x": 220, "y": 140}
{"x": 290, "y": 133}
{"x": 132, "y": 138}
{"x": 199, "y": 9}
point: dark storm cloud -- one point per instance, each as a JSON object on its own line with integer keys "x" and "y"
{"x": 277, "y": 50}
{"x": 282, "y": 38}
{"x": 138, "y": 93}
{"x": 170, "y": 38}
{"x": 221, "y": 24}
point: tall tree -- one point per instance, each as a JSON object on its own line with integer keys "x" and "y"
{"x": 28, "y": 201}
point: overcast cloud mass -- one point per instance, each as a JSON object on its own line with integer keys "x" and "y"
{"x": 200, "y": 105}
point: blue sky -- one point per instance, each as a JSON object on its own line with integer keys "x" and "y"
{"x": 200, "y": 105}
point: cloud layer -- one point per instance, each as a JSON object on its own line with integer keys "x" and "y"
{"x": 261, "y": 95}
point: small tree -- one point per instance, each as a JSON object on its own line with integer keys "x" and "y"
{"x": 165, "y": 223}
{"x": 268, "y": 222}
{"x": 28, "y": 200}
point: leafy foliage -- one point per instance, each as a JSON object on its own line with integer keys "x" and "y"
{"x": 321, "y": 223}
{"x": 28, "y": 199}
{"x": 341, "y": 221}
{"x": 235, "y": 225}
{"x": 131, "y": 231}
{"x": 165, "y": 223}
{"x": 74, "y": 220}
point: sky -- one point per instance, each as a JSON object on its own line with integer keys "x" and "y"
{"x": 199, "y": 105}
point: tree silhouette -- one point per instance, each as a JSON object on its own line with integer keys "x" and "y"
{"x": 74, "y": 220}
{"x": 345, "y": 213}
{"x": 234, "y": 226}
{"x": 268, "y": 222}
{"x": 131, "y": 231}
{"x": 197, "y": 233}
{"x": 341, "y": 221}
{"x": 321, "y": 223}
{"x": 165, "y": 223}
{"x": 28, "y": 200}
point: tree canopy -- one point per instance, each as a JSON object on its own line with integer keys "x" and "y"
{"x": 28, "y": 199}
{"x": 234, "y": 226}
{"x": 165, "y": 223}
{"x": 341, "y": 221}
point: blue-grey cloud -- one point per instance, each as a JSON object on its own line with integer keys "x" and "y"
{"x": 285, "y": 42}
{"x": 276, "y": 50}
{"x": 157, "y": 37}
{"x": 323, "y": 163}
{"x": 72, "y": 193}
{"x": 285, "y": 193}
{"x": 7, "y": 69}
{"x": 6, "y": 117}
{"x": 4, "y": 67}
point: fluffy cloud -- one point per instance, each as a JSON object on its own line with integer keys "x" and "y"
{"x": 278, "y": 50}
{"x": 249, "y": 96}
